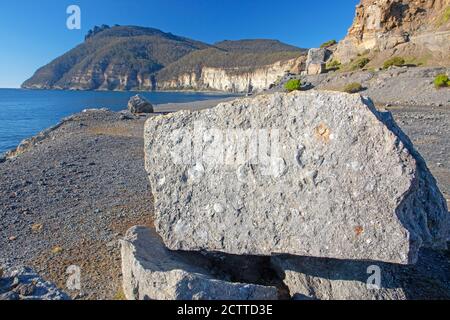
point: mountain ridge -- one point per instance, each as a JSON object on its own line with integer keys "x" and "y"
{"x": 133, "y": 57}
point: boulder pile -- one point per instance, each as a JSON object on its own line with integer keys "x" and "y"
{"x": 21, "y": 283}
{"x": 307, "y": 174}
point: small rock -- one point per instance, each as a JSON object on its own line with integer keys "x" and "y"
{"x": 112, "y": 244}
{"x": 25, "y": 290}
{"x": 37, "y": 227}
{"x": 15, "y": 282}
{"x": 57, "y": 250}
{"x": 125, "y": 117}
{"x": 9, "y": 296}
{"x": 139, "y": 104}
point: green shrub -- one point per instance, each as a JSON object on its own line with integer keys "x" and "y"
{"x": 441, "y": 81}
{"x": 333, "y": 65}
{"x": 328, "y": 44}
{"x": 445, "y": 17}
{"x": 293, "y": 85}
{"x": 353, "y": 87}
{"x": 359, "y": 63}
{"x": 395, "y": 61}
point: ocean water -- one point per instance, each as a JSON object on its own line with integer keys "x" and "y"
{"x": 24, "y": 113}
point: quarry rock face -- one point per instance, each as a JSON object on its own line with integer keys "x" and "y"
{"x": 320, "y": 174}
{"x": 316, "y": 61}
{"x": 151, "y": 271}
{"x": 415, "y": 27}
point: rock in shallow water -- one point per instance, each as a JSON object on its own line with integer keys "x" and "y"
{"x": 151, "y": 271}
{"x": 313, "y": 173}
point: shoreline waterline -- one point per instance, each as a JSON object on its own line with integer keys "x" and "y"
{"x": 25, "y": 113}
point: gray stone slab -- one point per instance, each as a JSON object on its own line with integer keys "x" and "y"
{"x": 314, "y": 173}
{"x": 152, "y": 272}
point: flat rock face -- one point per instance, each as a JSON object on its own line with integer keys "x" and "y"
{"x": 386, "y": 24}
{"x": 151, "y": 271}
{"x": 318, "y": 174}
{"x": 316, "y": 61}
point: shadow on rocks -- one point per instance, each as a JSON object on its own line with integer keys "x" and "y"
{"x": 428, "y": 279}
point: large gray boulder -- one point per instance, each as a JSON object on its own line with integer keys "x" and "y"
{"x": 138, "y": 104}
{"x": 316, "y": 60}
{"x": 330, "y": 279}
{"x": 320, "y": 174}
{"x": 151, "y": 271}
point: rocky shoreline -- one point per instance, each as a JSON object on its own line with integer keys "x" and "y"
{"x": 68, "y": 197}
{"x": 404, "y": 86}
{"x": 329, "y": 181}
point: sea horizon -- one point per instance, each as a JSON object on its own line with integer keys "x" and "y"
{"x": 27, "y": 112}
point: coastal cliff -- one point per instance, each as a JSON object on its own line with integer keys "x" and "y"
{"x": 416, "y": 29}
{"x": 136, "y": 58}
{"x": 233, "y": 79}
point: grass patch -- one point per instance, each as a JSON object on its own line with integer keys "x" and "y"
{"x": 293, "y": 85}
{"x": 353, "y": 87}
{"x": 418, "y": 61}
{"x": 359, "y": 63}
{"x": 441, "y": 81}
{"x": 120, "y": 295}
{"x": 328, "y": 44}
{"x": 57, "y": 250}
{"x": 395, "y": 61}
{"x": 445, "y": 17}
{"x": 333, "y": 65}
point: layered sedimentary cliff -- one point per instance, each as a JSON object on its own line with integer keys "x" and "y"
{"x": 233, "y": 79}
{"x": 416, "y": 28}
{"x": 137, "y": 58}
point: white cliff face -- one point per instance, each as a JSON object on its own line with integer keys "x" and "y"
{"x": 207, "y": 78}
{"x": 233, "y": 79}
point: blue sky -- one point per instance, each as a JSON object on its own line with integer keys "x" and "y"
{"x": 32, "y": 33}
